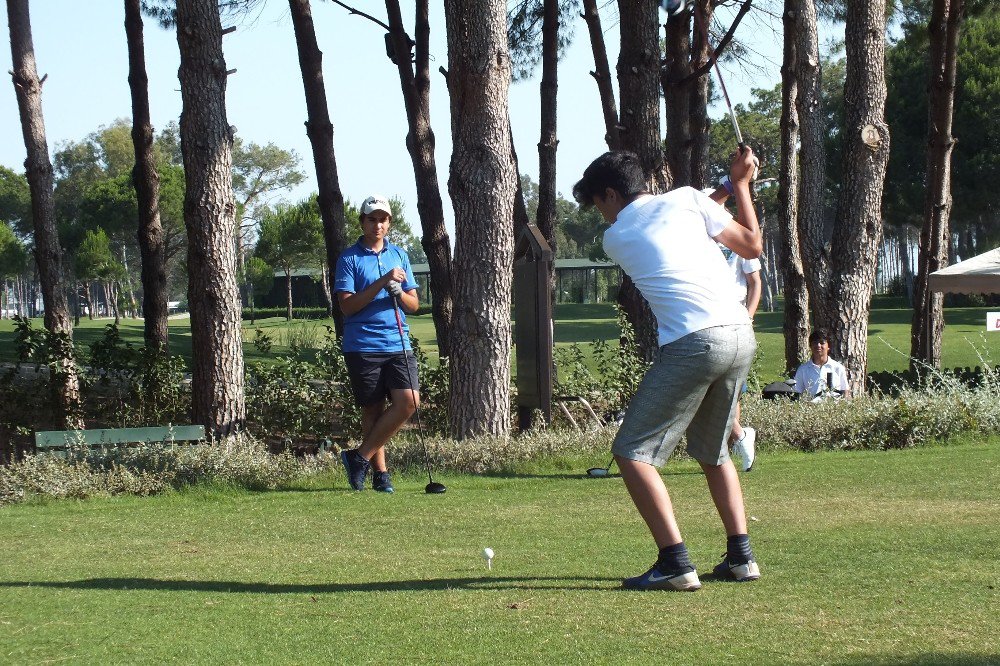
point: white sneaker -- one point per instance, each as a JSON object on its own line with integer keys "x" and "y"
{"x": 744, "y": 449}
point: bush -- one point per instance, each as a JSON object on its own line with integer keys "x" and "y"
{"x": 241, "y": 461}
{"x": 304, "y": 312}
{"x": 297, "y": 313}
{"x": 300, "y": 397}
{"x": 140, "y": 386}
{"x": 941, "y": 408}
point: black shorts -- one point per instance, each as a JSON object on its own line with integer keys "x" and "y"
{"x": 374, "y": 375}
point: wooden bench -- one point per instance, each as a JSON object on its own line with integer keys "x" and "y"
{"x": 59, "y": 440}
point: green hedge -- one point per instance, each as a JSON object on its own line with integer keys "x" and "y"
{"x": 297, "y": 313}
{"x": 303, "y": 313}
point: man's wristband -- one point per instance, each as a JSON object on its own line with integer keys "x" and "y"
{"x": 728, "y": 184}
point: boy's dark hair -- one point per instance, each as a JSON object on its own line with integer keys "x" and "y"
{"x": 819, "y": 335}
{"x": 618, "y": 169}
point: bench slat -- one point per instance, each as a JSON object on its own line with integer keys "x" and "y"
{"x": 60, "y": 438}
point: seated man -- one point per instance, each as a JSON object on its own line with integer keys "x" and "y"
{"x": 820, "y": 372}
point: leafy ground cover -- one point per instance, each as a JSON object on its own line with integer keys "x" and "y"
{"x": 964, "y": 342}
{"x": 868, "y": 558}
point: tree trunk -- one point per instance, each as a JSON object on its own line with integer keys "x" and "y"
{"x": 288, "y": 293}
{"x": 482, "y": 184}
{"x": 147, "y": 188}
{"x": 677, "y": 93}
{"x": 320, "y": 132}
{"x": 928, "y": 315}
{"x": 639, "y": 87}
{"x": 547, "y": 142}
{"x": 90, "y": 300}
{"x": 520, "y": 218}
{"x": 420, "y": 142}
{"x": 796, "y": 314}
{"x": 602, "y": 74}
{"x": 698, "y": 122}
{"x": 814, "y": 234}
{"x": 210, "y": 218}
{"x": 113, "y": 292}
{"x": 48, "y": 254}
{"x": 327, "y": 292}
{"x": 858, "y": 229}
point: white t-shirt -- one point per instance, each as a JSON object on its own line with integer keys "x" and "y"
{"x": 739, "y": 268}
{"x": 665, "y": 244}
{"x": 811, "y": 379}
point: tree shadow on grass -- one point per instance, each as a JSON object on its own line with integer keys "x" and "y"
{"x": 417, "y": 585}
{"x": 928, "y": 658}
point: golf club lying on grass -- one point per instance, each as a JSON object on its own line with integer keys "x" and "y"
{"x": 432, "y": 488}
{"x": 599, "y": 472}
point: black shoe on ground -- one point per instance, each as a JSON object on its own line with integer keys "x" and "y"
{"x": 356, "y": 467}
{"x": 682, "y": 580}
{"x": 735, "y": 570}
{"x": 382, "y": 482}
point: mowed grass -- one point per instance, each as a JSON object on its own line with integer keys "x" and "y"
{"x": 965, "y": 338}
{"x": 867, "y": 558}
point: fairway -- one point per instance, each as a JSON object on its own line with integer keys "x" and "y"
{"x": 866, "y": 558}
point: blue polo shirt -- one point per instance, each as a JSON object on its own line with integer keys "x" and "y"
{"x": 373, "y": 328}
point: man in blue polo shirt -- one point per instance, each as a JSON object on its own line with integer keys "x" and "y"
{"x": 371, "y": 276}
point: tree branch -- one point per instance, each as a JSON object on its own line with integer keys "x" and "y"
{"x": 723, "y": 43}
{"x": 358, "y": 12}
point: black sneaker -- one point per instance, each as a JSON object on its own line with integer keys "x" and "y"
{"x": 684, "y": 580}
{"x": 736, "y": 570}
{"x": 357, "y": 468}
{"x": 382, "y": 482}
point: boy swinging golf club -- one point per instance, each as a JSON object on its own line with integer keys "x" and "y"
{"x": 667, "y": 246}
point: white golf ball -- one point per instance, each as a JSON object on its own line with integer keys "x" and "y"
{"x": 488, "y": 553}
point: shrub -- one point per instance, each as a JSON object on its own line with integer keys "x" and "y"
{"x": 241, "y": 461}
{"x": 298, "y": 396}
{"x": 939, "y": 409}
{"x": 142, "y": 386}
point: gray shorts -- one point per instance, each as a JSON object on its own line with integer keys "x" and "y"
{"x": 692, "y": 387}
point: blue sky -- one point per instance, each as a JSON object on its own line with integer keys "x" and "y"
{"x": 81, "y": 46}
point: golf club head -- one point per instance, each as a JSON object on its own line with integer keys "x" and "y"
{"x": 598, "y": 472}
{"x": 435, "y": 488}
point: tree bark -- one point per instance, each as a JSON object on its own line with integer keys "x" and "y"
{"x": 482, "y": 184}
{"x": 327, "y": 292}
{"x": 420, "y": 142}
{"x": 548, "y": 142}
{"x": 928, "y": 314}
{"x": 48, "y": 254}
{"x": 210, "y": 219}
{"x": 320, "y": 132}
{"x": 288, "y": 293}
{"x": 639, "y": 87}
{"x": 814, "y": 233}
{"x": 858, "y": 229}
{"x": 698, "y": 123}
{"x": 147, "y": 187}
{"x": 602, "y": 74}
{"x": 796, "y": 311}
{"x": 677, "y": 93}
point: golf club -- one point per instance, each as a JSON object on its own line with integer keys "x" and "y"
{"x": 718, "y": 73}
{"x": 600, "y": 472}
{"x": 432, "y": 488}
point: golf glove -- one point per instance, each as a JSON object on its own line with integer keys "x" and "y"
{"x": 394, "y": 288}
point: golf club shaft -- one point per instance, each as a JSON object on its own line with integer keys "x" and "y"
{"x": 718, "y": 73}
{"x": 409, "y": 380}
